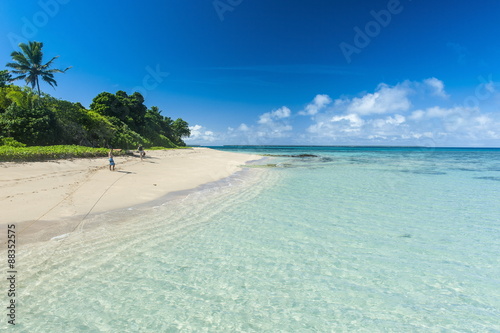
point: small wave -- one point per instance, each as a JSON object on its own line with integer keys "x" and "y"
{"x": 424, "y": 172}
{"x": 269, "y": 165}
{"x": 60, "y": 237}
{"x": 429, "y": 172}
{"x": 298, "y": 156}
{"x": 489, "y": 178}
{"x": 464, "y": 169}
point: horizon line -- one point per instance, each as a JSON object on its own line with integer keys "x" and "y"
{"x": 350, "y": 146}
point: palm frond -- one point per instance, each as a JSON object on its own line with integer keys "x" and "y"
{"x": 17, "y": 66}
{"x": 33, "y": 51}
{"x": 49, "y": 62}
{"x": 55, "y": 71}
{"x": 20, "y": 58}
{"x": 49, "y": 80}
{"x": 28, "y": 64}
{"x": 20, "y": 77}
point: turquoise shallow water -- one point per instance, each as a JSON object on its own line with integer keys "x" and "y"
{"x": 354, "y": 240}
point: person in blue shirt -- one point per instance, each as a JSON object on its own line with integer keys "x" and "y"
{"x": 111, "y": 160}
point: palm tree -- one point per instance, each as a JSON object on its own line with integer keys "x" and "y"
{"x": 28, "y": 65}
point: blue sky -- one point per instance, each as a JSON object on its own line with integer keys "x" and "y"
{"x": 407, "y": 72}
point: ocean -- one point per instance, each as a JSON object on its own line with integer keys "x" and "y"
{"x": 351, "y": 239}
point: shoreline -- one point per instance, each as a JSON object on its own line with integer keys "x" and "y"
{"x": 48, "y": 199}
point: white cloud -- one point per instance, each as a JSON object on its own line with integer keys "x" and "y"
{"x": 442, "y": 113}
{"x": 272, "y": 125}
{"x": 337, "y": 126}
{"x": 483, "y": 120}
{"x": 462, "y": 124}
{"x": 384, "y": 100}
{"x": 392, "y": 121}
{"x": 385, "y": 116}
{"x": 199, "y": 135}
{"x": 269, "y": 117}
{"x": 437, "y": 87}
{"x": 268, "y": 129}
{"x": 243, "y": 127}
{"x": 274, "y": 132}
{"x": 319, "y": 103}
{"x": 396, "y": 120}
{"x": 353, "y": 120}
{"x": 350, "y": 118}
{"x": 417, "y": 115}
{"x": 413, "y": 135}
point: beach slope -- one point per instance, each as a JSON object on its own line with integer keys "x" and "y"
{"x": 42, "y": 195}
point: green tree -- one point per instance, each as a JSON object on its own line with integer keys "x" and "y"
{"x": 157, "y": 128}
{"x": 28, "y": 65}
{"x": 71, "y": 119}
{"x": 137, "y": 111}
{"x": 127, "y": 139}
{"x": 4, "y": 100}
{"x": 22, "y": 97}
{"x": 99, "y": 129}
{"x": 180, "y": 129}
{"x": 4, "y": 78}
{"x": 35, "y": 126}
{"x": 110, "y": 105}
{"x": 129, "y": 109}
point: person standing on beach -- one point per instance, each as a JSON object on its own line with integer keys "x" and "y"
{"x": 141, "y": 151}
{"x": 111, "y": 160}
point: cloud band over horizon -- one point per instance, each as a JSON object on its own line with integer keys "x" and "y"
{"x": 407, "y": 113}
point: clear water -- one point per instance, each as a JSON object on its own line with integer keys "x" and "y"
{"x": 354, "y": 240}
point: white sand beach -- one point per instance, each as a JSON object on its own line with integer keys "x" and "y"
{"x": 45, "y": 199}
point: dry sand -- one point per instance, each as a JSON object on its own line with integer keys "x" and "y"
{"x": 46, "y": 198}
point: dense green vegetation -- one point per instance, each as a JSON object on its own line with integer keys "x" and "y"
{"x": 41, "y": 153}
{"x": 4, "y": 78}
{"x": 113, "y": 120}
{"x": 33, "y": 118}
